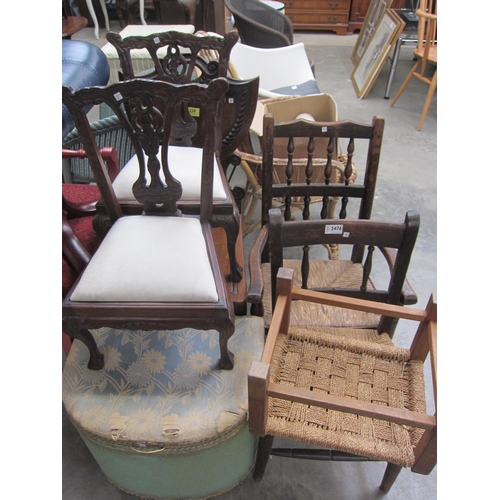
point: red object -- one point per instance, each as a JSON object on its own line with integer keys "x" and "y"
{"x": 80, "y": 241}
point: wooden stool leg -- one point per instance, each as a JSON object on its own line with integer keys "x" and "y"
{"x": 432, "y": 89}
{"x": 263, "y": 452}
{"x": 406, "y": 82}
{"x": 391, "y": 473}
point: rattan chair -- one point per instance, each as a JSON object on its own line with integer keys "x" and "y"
{"x": 259, "y": 25}
{"x": 358, "y": 398}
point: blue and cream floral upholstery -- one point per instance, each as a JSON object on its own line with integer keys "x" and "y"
{"x": 163, "y": 391}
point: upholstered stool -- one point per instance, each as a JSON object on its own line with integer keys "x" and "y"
{"x": 161, "y": 419}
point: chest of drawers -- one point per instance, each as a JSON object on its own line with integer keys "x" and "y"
{"x": 319, "y": 14}
{"x": 339, "y": 16}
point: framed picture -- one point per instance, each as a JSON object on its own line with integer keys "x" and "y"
{"x": 375, "y": 12}
{"x": 376, "y": 52}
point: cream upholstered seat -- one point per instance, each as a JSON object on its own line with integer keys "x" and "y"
{"x": 166, "y": 275}
{"x": 161, "y": 409}
{"x": 158, "y": 269}
{"x": 185, "y": 165}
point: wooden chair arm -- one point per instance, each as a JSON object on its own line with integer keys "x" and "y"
{"x": 258, "y": 375}
{"x": 78, "y": 209}
{"x": 110, "y": 156}
{"x": 256, "y": 278}
{"x": 408, "y": 294}
{"x": 359, "y": 304}
{"x": 73, "y": 250}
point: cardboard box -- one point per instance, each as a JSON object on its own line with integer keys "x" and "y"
{"x": 321, "y": 106}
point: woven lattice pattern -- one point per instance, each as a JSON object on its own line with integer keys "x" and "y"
{"x": 350, "y": 366}
{"x": 323, "y": 273}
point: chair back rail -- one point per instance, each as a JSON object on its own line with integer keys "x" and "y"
{"x": 180, "y": 59}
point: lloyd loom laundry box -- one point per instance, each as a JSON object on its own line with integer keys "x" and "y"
{"x": 161, "y": 419}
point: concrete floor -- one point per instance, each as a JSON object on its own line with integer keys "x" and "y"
{"x": 407, "y": 180}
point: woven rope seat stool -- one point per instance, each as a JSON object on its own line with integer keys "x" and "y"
{"x": 160, "y": 418}
{"x": 374, "y": 372}
{"x": 350, "y": 392}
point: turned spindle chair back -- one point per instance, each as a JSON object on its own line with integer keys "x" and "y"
{"x": 159, "y": 269}
{"x": 319, "y": 179}
{"x": 335, "y": 180}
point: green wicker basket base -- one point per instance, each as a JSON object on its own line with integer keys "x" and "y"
{"x": 195, "y": 475}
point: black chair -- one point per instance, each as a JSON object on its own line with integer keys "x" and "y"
{"x": 260, "y": 25}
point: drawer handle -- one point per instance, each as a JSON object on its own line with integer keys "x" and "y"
{"x": 334, "y": 18}
{"x": 332, "y": 6}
